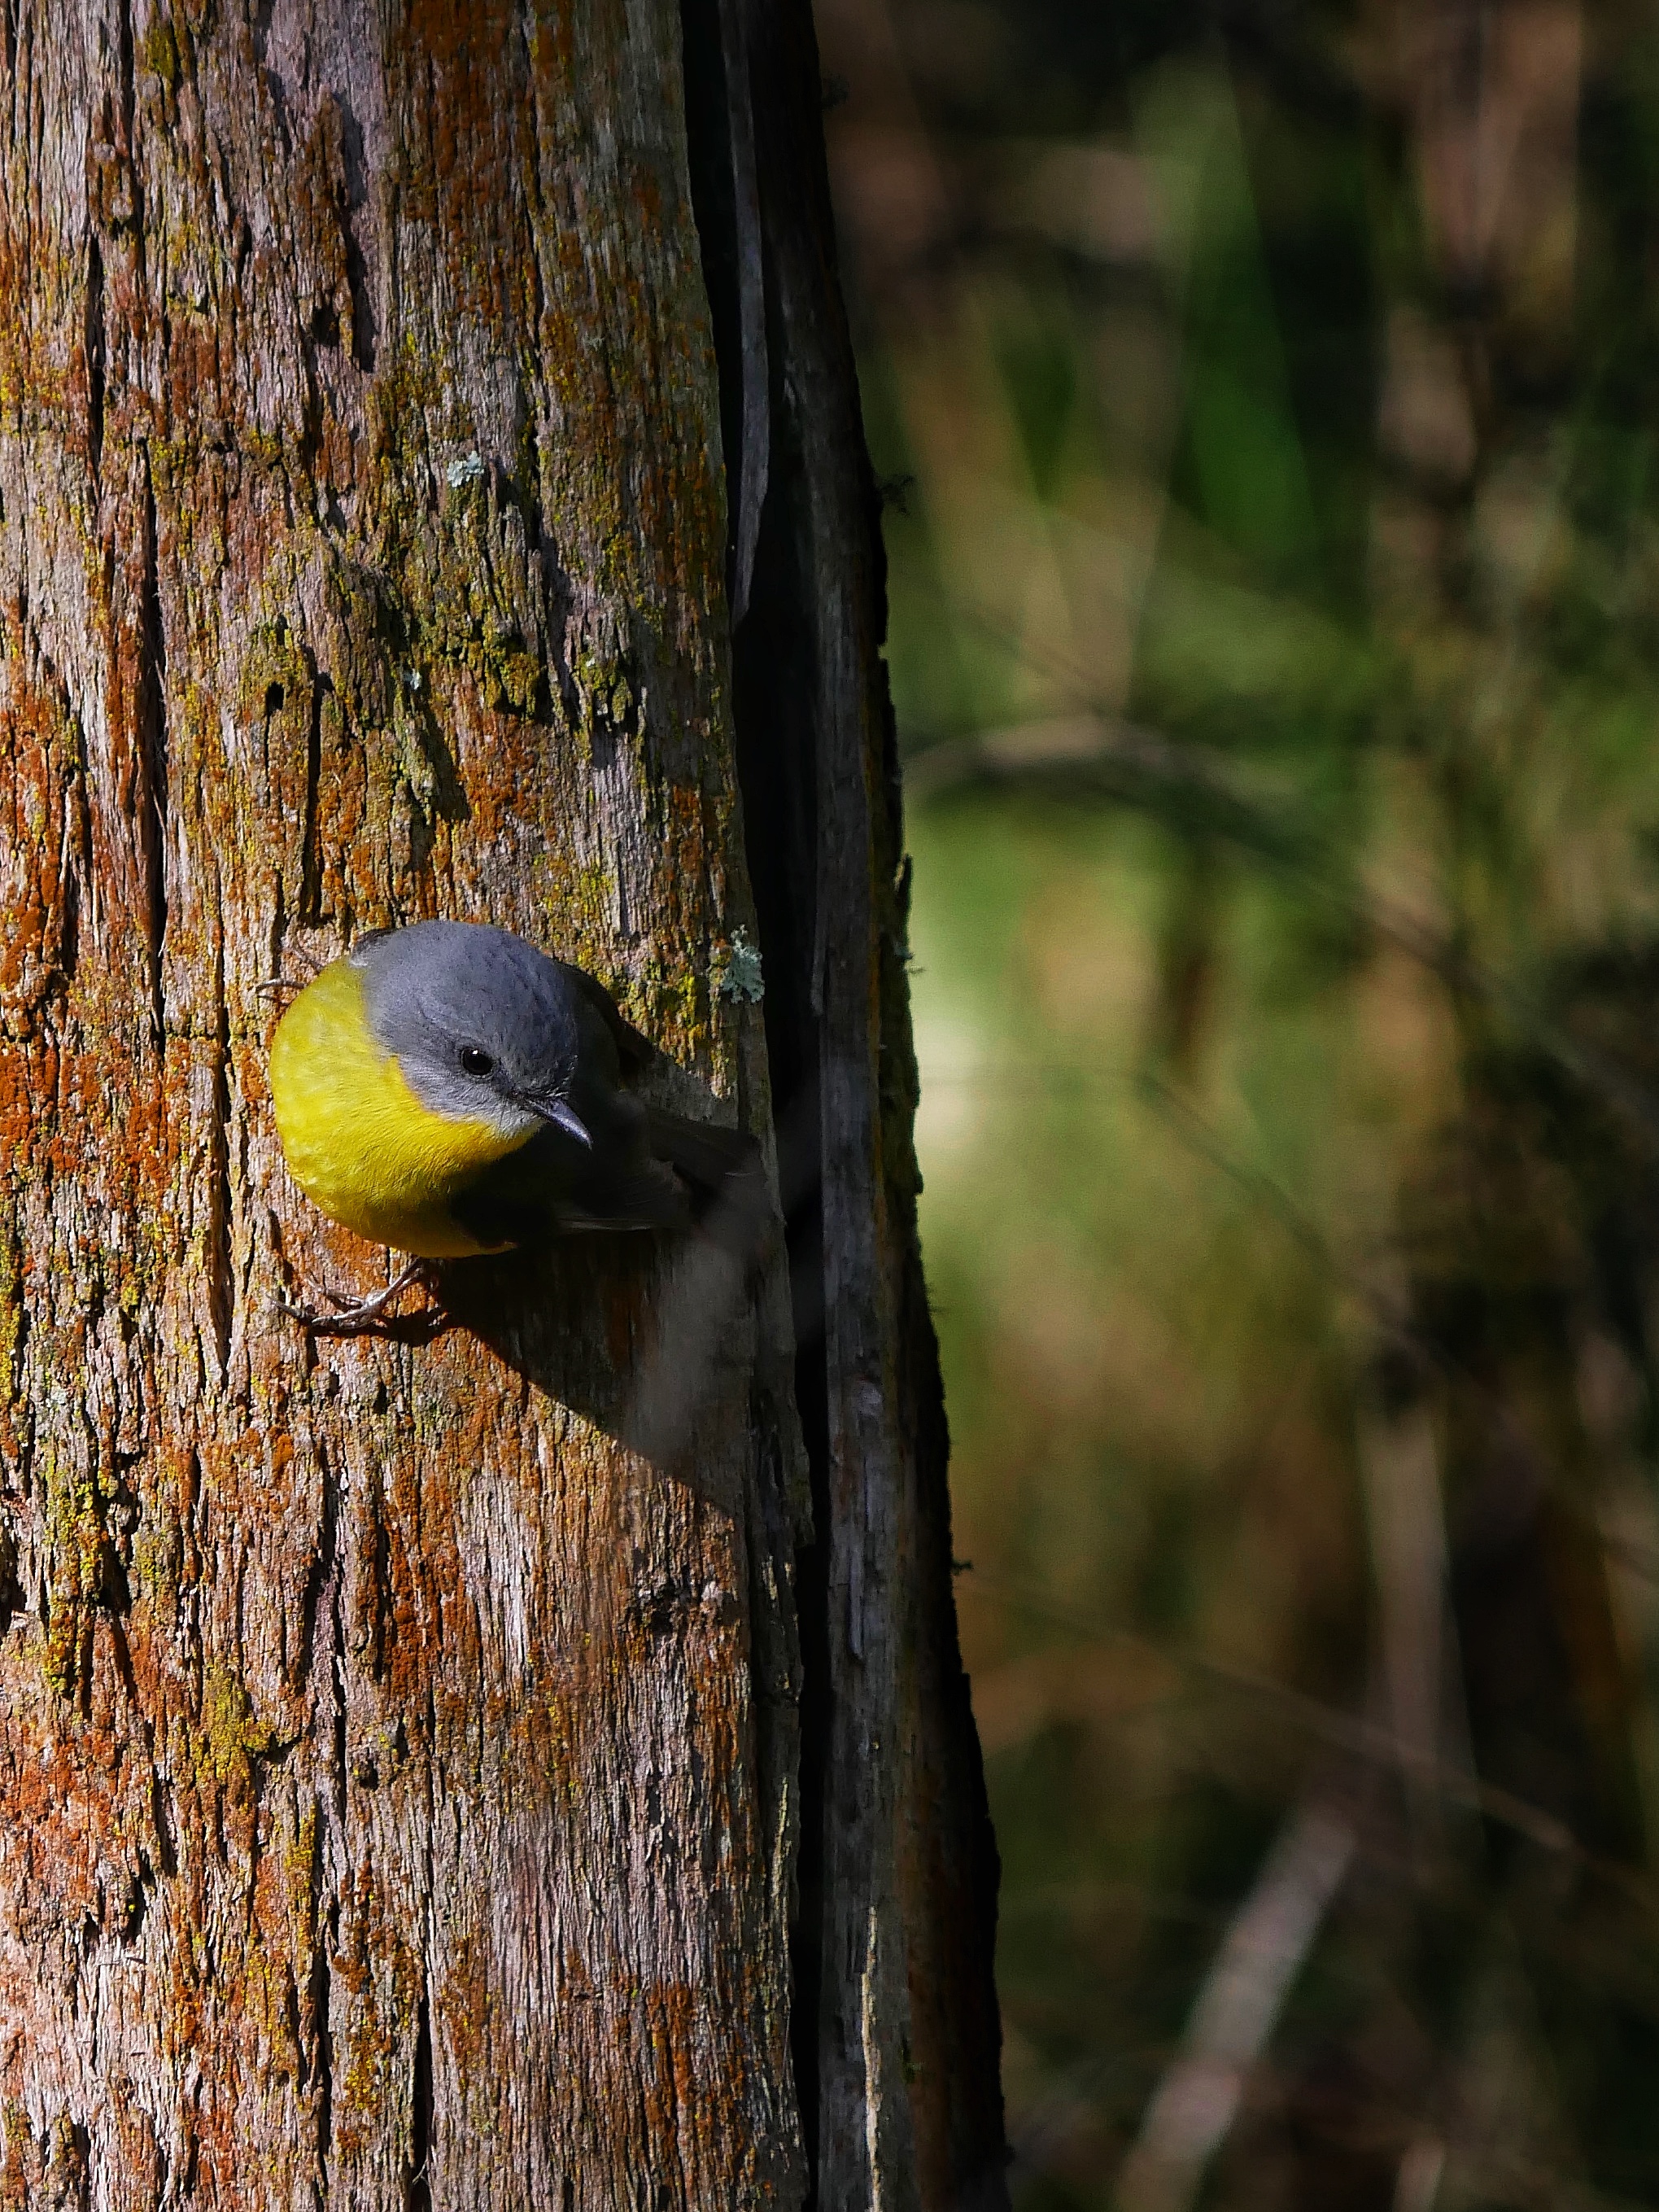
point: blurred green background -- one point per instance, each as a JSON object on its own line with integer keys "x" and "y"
{"x": 1265, "y": 401}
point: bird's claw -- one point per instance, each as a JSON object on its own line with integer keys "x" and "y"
{"x": 367, "y": 1315}
{"x": 273, "y": 986}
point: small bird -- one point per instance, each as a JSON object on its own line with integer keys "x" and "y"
{"x": 448, "y": 1089}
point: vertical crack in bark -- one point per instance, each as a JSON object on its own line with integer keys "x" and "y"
{"x": 338, "y": 1676}
{"x": 219, "y": 1283}
{"x": 71, "y": 851}
{"x": 322, "y": 2001}
{"x": 897, "y": 1868}
{"x": 95, "y": 342}
{"x": 314, "y": 2076}
{"x": 322, "y": 1593}
{"x": 124, "y": 56}
{"x": 150, "y": 827}
{"x": 775, "y": 686}
{"x": 310, "y": 862}
{"x": 320, "y": 1579}
{"x": 775, "y": 737}
{"x": 12, "y": 1596}
{"x": 136, "y": 229}
{"x": 17, "y": 1479}
{"x": 726, "y": 202}
{"x": 383, "y": 1626}
{"x": 417, "y": 2190}
{"x": 167, "y": 1856}
{"x": 355, "y": 195}
{"x": 755, "y": 445}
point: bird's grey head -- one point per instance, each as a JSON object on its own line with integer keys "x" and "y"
{"x": 483, "y": 1027}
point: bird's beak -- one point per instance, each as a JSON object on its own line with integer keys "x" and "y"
{"x": 562, "y": 1117}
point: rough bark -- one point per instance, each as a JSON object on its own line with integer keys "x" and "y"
{"x": 397, "y": 1738}
{"x": 398, "y": 1741}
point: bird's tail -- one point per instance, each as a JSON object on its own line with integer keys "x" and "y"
{"x": 722, "y": 1174}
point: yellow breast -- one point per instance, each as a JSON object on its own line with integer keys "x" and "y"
{"x": 358, "y": 1141}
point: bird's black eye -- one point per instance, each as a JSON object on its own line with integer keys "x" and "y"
{"x": 475, "y": 1062}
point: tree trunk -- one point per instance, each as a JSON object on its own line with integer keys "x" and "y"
{"x": 405, "y": 1745}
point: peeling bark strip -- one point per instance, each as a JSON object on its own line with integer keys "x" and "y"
{"x": 398, "y": 1757}
{"x": 896, "y": 2034}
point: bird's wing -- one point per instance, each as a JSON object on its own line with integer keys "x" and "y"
{"x": 553, "y": 1186}
{"x": 633, "y": 1050}
{"x": 706, "y": 1154}
{"x": 729, "y": 1199}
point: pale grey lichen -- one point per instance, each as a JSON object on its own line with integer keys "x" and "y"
{"x": 466, "y": 471}
{"x": 735, "y": 970}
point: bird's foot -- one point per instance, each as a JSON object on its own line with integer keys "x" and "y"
{"x": 372, "y": 1316}
{"x": 280, "y": 985}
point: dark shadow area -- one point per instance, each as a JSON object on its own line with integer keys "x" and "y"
{"x": 774, "y": 677}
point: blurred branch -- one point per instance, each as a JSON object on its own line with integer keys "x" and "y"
{"x": 1390, "y": 1318}
{"x": 1386, "y": 1310}
{"x": 1114, "y": 759}
{"x": 1399, "y": 1465}
{"x": 1344, "y": 1731}
{"x": 1096, "y": 753}
{"x": 1237, "y": 2006}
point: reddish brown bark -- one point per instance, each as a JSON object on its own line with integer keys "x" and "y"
{"x": 399, "y": 1749}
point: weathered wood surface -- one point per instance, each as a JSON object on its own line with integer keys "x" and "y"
{"x": 396, "y": 1740}
{"x": 899, "y": 2073}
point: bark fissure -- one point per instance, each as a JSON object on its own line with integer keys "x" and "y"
{"x": 725, "y": 197}
{"x": 151, "y": 784}
{"x": 417, "y": 2193}
{"x": 352, "y": 194}
{"x": 96, "y": 345}
{"x": 321, "y": 2084}
{"x": 73, "y": 847}
{"x": 125, "y": 71}
{"x": 221, "y": 1263}
{"x": 775, "y": 738}
{"x": 311, "y": 864}
{"x": 320, "y": 1577}
{"x": 334, "y": 1597}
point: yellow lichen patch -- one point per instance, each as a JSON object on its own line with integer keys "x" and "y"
{"x": 79, "y": 1563}
{"x": 158, "y": 52}
{"x": 231, "y": 1737}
